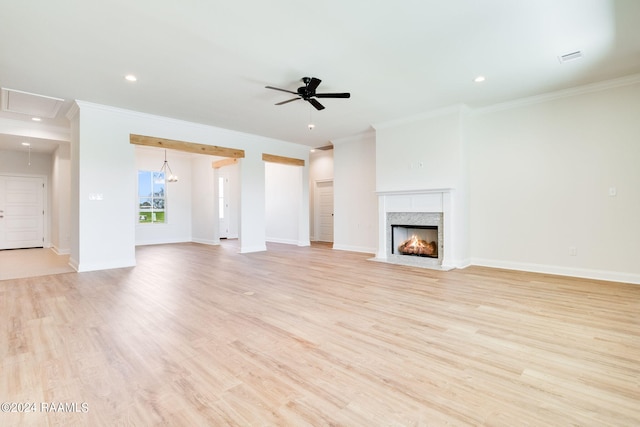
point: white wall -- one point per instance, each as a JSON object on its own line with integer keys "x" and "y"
{"x": 204, "y": 213}
{"x": 60, "y": 200}
{"x": 283, "y": 190}
{"x": 103, "y": 162}
{"x": 103, "y": 167}
{"x": 355, "y": 200}
{"x": 422, "y": 152}
{"x": 232, "y": 174}
{"x": 177, "y": 227}
{"x": 540, "y": 178}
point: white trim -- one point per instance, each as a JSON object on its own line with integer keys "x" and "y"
{"x": 439, "y": 112}
{"x": 612, "y": 276}
{"x": 565, "y": 93}
{"x": 59, "y": 251}
{"x": 284, "y": 241}
{"x": 160, "y": 242}
{"x": 118, "y": 263}
{"x": 316, "y": 208}
{"x": 250, "y": 249}
{"x": 413, "y": 192}
{"x": 207, "y": 242}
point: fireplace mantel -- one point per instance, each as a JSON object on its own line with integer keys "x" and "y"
{"x": 432, "y": 200}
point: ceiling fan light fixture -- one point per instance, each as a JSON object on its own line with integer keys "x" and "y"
{"x": 308, "y": 93}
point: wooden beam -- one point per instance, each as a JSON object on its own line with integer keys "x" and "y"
{"x": 223, "y": 162}
{"x": 272, "y": 158}
{"x": 190, "y": 147}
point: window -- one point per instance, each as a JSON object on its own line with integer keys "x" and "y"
{"x": 151, "y": 197}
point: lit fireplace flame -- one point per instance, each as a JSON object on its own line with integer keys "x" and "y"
{"x": 417, "y": 246}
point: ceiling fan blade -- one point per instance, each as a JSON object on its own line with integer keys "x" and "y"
{"x": 289, "y": 100}
{"x": 315, "y": 103}
{"x": 333, "y": 95}
{"x": 282, "y": 90}
{"x": 313, "y": 84}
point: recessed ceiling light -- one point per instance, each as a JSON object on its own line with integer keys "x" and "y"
{"x": 36, "y": 119}
{"x": 131, "y": 78}
{"x": 26, "y": 144}
{"x": 479, "y": 79}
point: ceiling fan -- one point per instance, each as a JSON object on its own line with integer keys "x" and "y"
{"x": 308, "y": 93}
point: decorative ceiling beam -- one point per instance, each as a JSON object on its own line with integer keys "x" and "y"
{"x": 223, "y": 162}
{"x": 272, "y": 158}
{"x": 189, "y": 147}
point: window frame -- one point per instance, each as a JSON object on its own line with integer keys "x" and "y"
{"x": 157, "y": 201}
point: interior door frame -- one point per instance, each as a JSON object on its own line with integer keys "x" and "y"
{"x": 46, "y": 217}
{"x": 316, "y": 207}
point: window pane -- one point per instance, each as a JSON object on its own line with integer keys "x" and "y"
{"x": 144, "y": 210}
{"x": 158, "y": 184}
{"x": 144, "y": 184}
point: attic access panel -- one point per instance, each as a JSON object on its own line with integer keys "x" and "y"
{"x": 16, "y": 101}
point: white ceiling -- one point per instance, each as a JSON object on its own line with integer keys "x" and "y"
{"x": 208, "y": 61}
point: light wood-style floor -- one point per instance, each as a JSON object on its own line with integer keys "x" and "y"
{"x": 201, "y": 335}
{"x": 20, "y": 263}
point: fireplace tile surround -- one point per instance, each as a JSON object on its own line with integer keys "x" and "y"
{"x": 416, "y": 207}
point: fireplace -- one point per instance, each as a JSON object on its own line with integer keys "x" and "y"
{"x": 424, "y": 218}
{"x": 414, "y": 240}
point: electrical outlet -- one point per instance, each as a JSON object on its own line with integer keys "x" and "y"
{"x": 613, "y": 191}
{"x": 573, "y": 251}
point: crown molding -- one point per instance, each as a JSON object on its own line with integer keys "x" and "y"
{"x": 439, "y": 112}
{"x": 565, "y": 93}
{"x": 368, "y": 134}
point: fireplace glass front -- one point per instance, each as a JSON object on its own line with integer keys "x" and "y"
{"x": 414, "y": 240}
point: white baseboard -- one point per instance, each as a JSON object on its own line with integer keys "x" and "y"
{"x": 611, "y": 276}
{"x": 123, "y": 263}
{"x": 160, "y": 242}
{"x": 59, "y": 251}
{"x": 206, "y": 242}
{"x": 250, "y": 249}
{"x": 278, "y": 240}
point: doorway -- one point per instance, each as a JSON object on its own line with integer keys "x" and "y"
{"x": 21, "y": 212}
{"x": 223, "y": 206}
{"x": 324, "y": 211}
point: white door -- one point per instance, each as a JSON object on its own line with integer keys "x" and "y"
{"x": 21, "y": 212}
{"x": 223, "y": 206}
{"x": 324, "y": 209}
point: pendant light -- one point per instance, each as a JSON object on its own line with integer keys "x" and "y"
{"x": 165, "y": 167}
